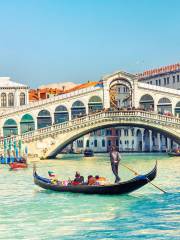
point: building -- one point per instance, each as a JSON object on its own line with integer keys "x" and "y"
{"x": 167, "y": 76}
{"x": 12, "y": 94}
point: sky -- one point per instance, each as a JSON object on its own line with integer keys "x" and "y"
{"x": 49, "y": 41}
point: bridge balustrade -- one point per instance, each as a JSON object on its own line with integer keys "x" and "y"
{"x": 166, "y": 120}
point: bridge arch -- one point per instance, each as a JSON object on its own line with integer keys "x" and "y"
{"x": 27, "y": 123}
{"x": 120, "y": 91}
{"x": 10, "y": 128}
{"x": 61, "y": 114}
{"x": 164, "y": 105}
{"x": 146, "y": 102}
{"x": 78, "y": 109}
{"x": 95, "y": 104}
{"x": 71, "y": 135}
{"x": 44, "y": 119}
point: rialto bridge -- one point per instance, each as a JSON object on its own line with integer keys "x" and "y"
{"x": 55, "y": 122}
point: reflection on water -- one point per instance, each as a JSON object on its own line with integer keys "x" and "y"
{"x": 28, "y": 212}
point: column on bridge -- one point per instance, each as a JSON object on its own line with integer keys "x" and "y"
{"x": 168, "y": 144}
{"x": 159, "y": 141}
{"x": 150, "y": 141}
{"x": 143, "y": 141}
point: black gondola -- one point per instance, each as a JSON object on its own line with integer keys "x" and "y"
{"x": 111, "y": 189}
{"x": 88, "y": 153}
{"x": 174, "y": 154}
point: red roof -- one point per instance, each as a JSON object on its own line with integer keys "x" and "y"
{"x": 161, "y": 70}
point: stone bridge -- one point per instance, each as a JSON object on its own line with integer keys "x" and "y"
{"x": 48, "y": 142}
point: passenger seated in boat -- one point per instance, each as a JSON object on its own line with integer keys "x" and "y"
{"x": 100, "y": 180}
{"x": 78, "y": 179}
{"x": 91, "y": 180}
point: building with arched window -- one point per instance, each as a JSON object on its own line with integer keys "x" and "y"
{"x": 12, "y": 94}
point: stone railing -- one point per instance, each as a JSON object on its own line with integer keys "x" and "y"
{"x": 111, "y": 116}
{"x": 44, "y": 102}
{"x": 159, "y": 88}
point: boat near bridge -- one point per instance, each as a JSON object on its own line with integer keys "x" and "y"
{"x": 110, "y": 189}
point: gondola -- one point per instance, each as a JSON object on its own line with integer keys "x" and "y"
{"x": 88, "y": 153}
{"x": 174, "y": 154}
{"x": 111, "y": 189}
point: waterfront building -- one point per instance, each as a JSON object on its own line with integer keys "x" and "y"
{"x": 12, "y": 94}
{"x": 167, "y": 76}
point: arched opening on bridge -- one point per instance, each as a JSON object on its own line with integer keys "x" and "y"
{"x": 61, "y": 114}
{"x": 147, "y": 102}
{"x": 164, "y": 106}
{"x": 78, "y": 109}
{"x": 10, "y": 128}
{"x": 44, "y": 119}
{"x": 27, "y": 123}
{"x": 177, "y": 109}
{"x": 139, "y": 140}
{"x": 120, "y": 92}
{"x": 95, "y": 104}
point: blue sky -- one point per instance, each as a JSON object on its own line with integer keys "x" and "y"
{"x": 48, "y": 41}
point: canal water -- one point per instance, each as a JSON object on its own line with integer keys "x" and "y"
{"x": 28, "y": 212}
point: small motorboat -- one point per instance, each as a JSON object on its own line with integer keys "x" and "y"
{"x": 88, "y": 153}
{"x": 111, "y": 189}
{"x": 17, "y": 165}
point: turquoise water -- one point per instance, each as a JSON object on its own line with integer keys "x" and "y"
{"x": 28, "y": 212}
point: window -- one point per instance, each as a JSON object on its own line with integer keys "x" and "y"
{"x": 3, "y": 100}
{"x": 174, "y": 79}
{"x": 102, "y": 132}
{"x": 156, "y": 82}
{"x": 95, "y": 143}
{"x": 132, "y": 131}
{"x": 150, "y": 82}
{"x": 11, "y": 100}
{"x": 126, "y": 132}
{"x": 120, "y": 142}
{"x": 159, "y": 82}
{"x": 109, "y": 143}
{"x": 177, "y": 78}
{"x": 22, "y": 99}
{"x": 103, "y": 143}
{"x": 117, "y": 143}
{"x": 132, "y": 142}
{"x": 167, "y": 80}
{"x": 164, "y": 81}
{"x": 108, "y": 132}
{"x": 117, "y": 132}
{"x": 87, "y": 143}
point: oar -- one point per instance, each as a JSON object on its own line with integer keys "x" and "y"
{"x": 136, "y": 173}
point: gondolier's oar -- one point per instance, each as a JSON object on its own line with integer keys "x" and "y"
{"x": 136, "y": 173}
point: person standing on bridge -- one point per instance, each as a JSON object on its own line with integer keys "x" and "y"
{"x": 115, "y": 158}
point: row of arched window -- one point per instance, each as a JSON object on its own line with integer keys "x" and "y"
{"x": 7, "y": 99}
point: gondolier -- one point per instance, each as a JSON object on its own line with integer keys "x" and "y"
{"x": 115, "y": 158}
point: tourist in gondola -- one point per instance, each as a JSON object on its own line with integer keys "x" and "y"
{"x": 115, "y": 158}
{"x": 78, "y": 179}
